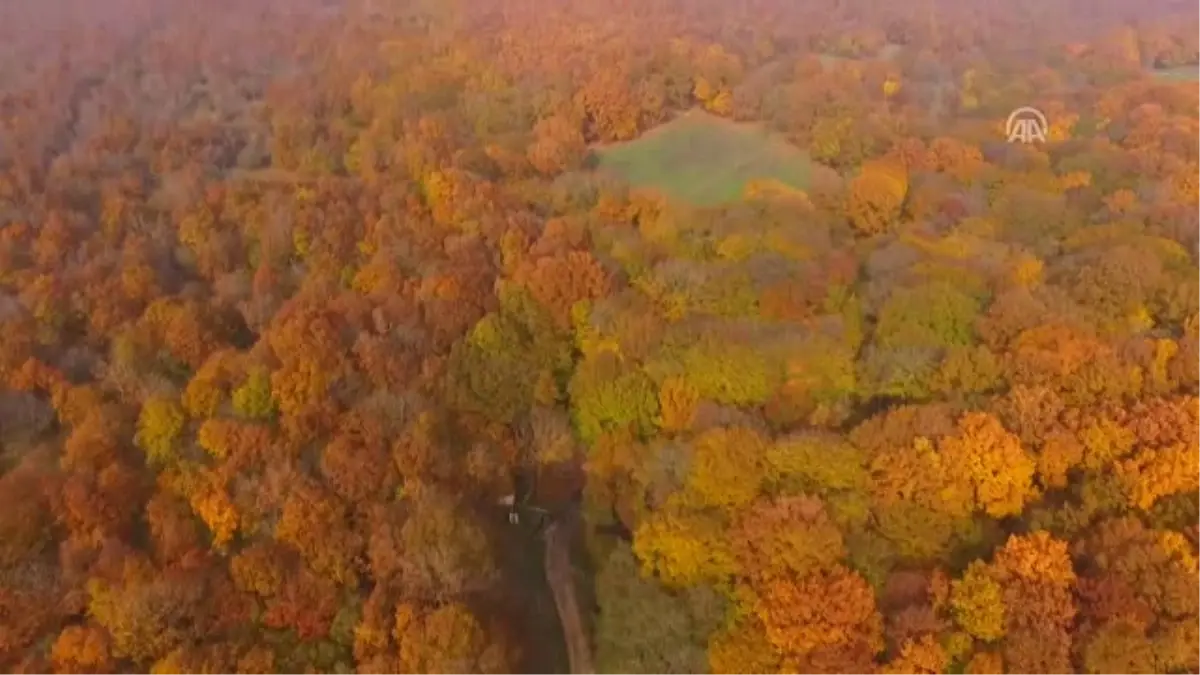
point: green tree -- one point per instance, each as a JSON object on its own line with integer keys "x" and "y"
{"x": 606, "y": 394}
{"x": 253, "y": 400}
{"x": 934, "y": 314}
{"x": 158, "y": 428}
{"x": 643, "y": 628}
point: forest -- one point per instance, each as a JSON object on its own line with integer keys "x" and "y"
{"x": 663, "y": 336}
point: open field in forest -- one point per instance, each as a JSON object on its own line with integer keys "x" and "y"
{"x": 704, "y": 159}
{"x": 1178, "y": 74}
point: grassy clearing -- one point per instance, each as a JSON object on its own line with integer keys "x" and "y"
{"x": 705, "y": 160}
{"x": 1178, "y": 74}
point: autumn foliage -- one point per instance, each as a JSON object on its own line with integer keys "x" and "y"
{"x": 314, "y": 316}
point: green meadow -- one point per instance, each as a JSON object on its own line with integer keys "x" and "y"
{"x": 705, "y": 160}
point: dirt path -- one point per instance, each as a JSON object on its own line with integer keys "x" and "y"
{"x": 561, "y": 578}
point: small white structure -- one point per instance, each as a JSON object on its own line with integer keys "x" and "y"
{"x": 1026, "y": 125}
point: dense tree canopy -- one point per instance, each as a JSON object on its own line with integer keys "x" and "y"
{"x": 296, "y": 297}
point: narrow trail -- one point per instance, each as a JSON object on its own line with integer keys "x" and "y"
{"x": 561, "y": 578}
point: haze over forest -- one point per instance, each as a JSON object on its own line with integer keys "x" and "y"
{"x": 658, "y": 336}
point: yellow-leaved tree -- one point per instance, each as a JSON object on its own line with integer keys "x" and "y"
{"x": 876, "y": 197}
